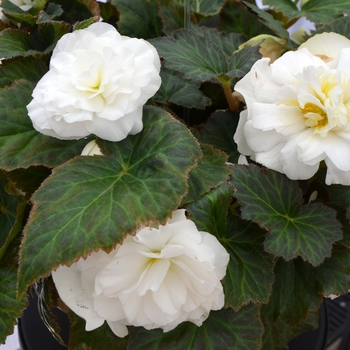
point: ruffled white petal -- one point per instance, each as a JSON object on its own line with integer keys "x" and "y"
{"x": 298, "y": 110}
{"x": 97, "y": 84}
{"x": 326, "y": 44}
{"x": 156, "y": 279}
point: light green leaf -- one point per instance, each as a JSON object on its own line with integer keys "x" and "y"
{"x": 206, "y": 7}
{"x": 21, "y": 145}
{"x": 249, "y": 274}
{"x": 93, "y": 202}
{"x": 197, "y": 57}
{"x": 223, "y": 329}
{"x": 218, "y": 131}
{"x": 84, "y": 24}
{"x": 138, "y": 18}
{"x": 209, "y": 173}
{"x": 275, "y": 203}
{"x": 176, "y": 90}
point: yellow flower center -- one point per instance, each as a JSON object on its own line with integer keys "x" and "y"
{"x": 314, "y": 115}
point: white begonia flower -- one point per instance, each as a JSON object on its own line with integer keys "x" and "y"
{"x": 156, "y": 279}
{"x": 298, "y": 110}
{"x": 91, "y": 149}
{"x": 97, "y": 84}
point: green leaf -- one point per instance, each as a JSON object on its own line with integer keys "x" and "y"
{"x": 275, "y": 203}
{"x": 341, "y": 196}
{"x": 197, "y": 57}
{"x": 15, "y": 42}
{"x": 278, "y": 335}
{"x": 268, "y": 20}
{"x": 10, "y": 307}
{"x": 21, "y": 145}
{"x": 16, "y": 14}
{"x": 206, "y": 7}
{"x": 236, "y": 18}
{"x": 176, "y": 90}
{"x": 287, "y": 7}
{"x": 334, "y": 272}
{"x": 84, "y": 24}
{"x": 12, "y": 208}
{"x": 315, "y": 10}
{"x": 92, "y": 6}
{"x": 209, "y": 173}
{"x": 224, "y": 329}
{"x": 53, "y": 10}
{"x": 228, "y": 43}
{"x": 93, "y": 202}
{"x": 295, "y": 292}
{"x": 249, "y": 275}
{"x": 218, "y": 131}
{"x": 172, "y": 15}
{"x": 101, "y": 338}
{"x": 29, "y": 180}
{"x": 242, "y": 61}
{"x": 340, "y": 25}
{"x": 8, "y": 210}
{"x": 138, "y": 18}
{"x": 50, "y": 31}
{"x": 30, "y": 68}
{"x": 77, "y": 11}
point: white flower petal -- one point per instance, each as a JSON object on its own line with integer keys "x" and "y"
{"x": 326, "y": 44}
{"x": 97, "y": 84}
{"x": 301, "y": 116}
{"x": 156, "y": 279}
{"x": 119, "y": 329}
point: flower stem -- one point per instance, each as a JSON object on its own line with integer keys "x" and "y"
{"x": 187, "y": 14}
{"x": 232, "y": 102}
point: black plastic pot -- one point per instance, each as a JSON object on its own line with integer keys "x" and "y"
{"x": 334, "y": 324}
{"x": 34, "y": 335}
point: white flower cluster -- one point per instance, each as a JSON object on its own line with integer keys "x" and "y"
{"x": 97, "y": 84}
{"x": 156, "y": 279}
{"x": 298, "y": 110}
